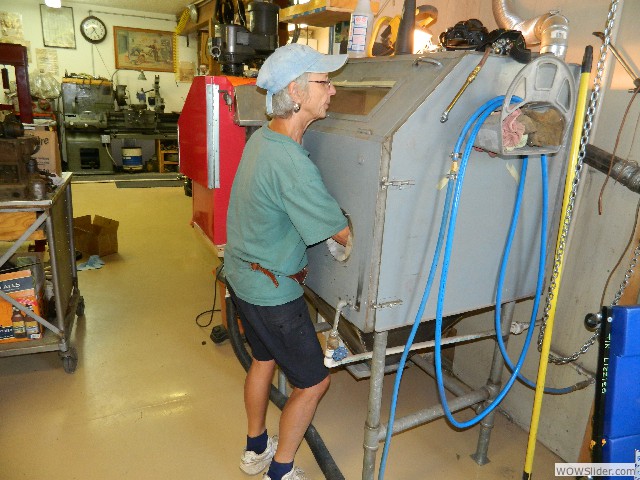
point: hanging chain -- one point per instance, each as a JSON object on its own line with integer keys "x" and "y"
{"x": 586, "y": 130}
{"x": 627, "y": 275}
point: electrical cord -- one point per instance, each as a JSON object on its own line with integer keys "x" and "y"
{"x": 215, "y": 299}
{"x": 624, "y": 251}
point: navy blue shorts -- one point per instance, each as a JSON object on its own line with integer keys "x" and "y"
{"x": 284, "y": 333}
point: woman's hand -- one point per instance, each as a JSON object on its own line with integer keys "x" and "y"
{"x": 342, "y": 236}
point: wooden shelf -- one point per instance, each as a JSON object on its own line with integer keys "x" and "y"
{"x": 161, "y": 152}
{"x": 322, "y": 13}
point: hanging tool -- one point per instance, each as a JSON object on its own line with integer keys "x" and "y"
{"x": 472, "y": 76}
{"x": 623, "y": 62}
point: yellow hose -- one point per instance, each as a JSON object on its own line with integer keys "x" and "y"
{"x": 182, "y": 21}
{"x": 568, "y": 187}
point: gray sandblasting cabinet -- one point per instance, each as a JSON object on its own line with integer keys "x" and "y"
{"x": 384, "y": 155}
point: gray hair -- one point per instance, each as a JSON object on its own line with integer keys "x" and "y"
{"x": 282, "y": 102}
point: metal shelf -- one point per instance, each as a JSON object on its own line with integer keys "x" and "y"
{"x": 322, "y": 13}
{"x": 55, "y": 214}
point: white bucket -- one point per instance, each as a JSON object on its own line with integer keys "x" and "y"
{"x": 132, "y": 158}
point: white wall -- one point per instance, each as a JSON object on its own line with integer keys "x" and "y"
{"x": 99, "y": 60}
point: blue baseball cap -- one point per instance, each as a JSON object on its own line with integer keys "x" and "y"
{"x": 287, "y": 63}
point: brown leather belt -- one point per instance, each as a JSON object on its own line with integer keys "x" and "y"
{"x": 298, "y": 277}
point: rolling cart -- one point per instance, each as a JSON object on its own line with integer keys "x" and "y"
{"x": 54, "y": 214}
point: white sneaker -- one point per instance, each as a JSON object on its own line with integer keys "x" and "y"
{"x": 296, "y": 473}
{"x": 252, "y": 463}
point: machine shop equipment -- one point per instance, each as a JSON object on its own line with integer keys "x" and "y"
{"x": 140, "y": 126}
{"x": 212, "y": 135}
{"x": 235, "y": 46}
{"x": 20, "y": 178}
{"x": 99, "y": 121}
{"x": 383, "y": 155}
{"x": 85, "y": 105}
{"x": 16, "y": 55}
{"x": 216, "y": 120}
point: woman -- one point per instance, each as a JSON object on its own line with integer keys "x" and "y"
{"x": 278, "y": 207}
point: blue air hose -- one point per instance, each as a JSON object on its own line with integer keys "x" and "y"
{"x": 539, "y": 286}
{"x": 443, "y": 281}
{"x": 414, "y": 329}
{"x": 483, "y": 112}
{"x": 447, "y": 204}
{"x": 493, "y": 104}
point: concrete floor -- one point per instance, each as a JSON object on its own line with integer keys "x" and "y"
{"x": 154, "y": 398}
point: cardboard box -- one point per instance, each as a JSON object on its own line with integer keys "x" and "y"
{"x": 48, "y": 156}
{"x": 26, "y": 289}
{"x": 97, "y": 237}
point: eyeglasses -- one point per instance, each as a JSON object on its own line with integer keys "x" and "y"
{"x": 324, "y": 82}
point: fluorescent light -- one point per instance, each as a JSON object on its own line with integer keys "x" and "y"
{"x": 422, "y": 40}
{"x": 53, "y": 3}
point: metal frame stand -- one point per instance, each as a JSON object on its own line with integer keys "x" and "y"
{"x": 375, "y": 432}
{"x": 56, "y": 213}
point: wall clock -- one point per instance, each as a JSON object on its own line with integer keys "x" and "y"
{"x": 93, "y": 29}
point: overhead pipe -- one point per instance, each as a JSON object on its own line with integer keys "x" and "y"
{"x": 625, "y": 172}
{"x": 550, "y": 30}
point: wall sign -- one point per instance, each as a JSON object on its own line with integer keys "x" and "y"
{"x": 57, "y": 27}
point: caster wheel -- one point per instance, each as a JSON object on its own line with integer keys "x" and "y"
{"x": 69, "y": 360}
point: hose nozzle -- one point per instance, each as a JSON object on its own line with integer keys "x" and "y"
{"x": 333, "y": 341}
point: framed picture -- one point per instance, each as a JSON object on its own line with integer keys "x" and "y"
{"x": 57, "y": 27}
{"x": 138, "y": 49}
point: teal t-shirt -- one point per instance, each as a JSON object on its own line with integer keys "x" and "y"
{"x": 278, "y": 207}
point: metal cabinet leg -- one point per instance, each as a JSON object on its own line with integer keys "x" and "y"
{"x": 372, "y": 425}
{"x": 493, "y": 385}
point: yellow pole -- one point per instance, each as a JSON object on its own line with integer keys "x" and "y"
{"x": 568, "y": 187}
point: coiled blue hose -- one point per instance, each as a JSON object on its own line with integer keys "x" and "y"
{"x": 443, "y": 282}
{"x": 481, "y": 114}
{"x": 539, "y": 285}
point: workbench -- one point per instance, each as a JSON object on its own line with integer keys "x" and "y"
{"x": 54, "y": 216}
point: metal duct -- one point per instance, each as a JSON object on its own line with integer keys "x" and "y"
{"x": 404, "y": 40}
{"x": 550, "y": 30}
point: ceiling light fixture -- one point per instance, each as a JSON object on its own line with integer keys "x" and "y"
{"x": 53, "y": 3}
